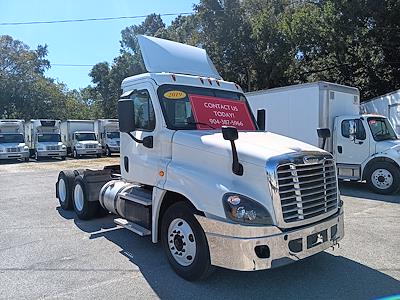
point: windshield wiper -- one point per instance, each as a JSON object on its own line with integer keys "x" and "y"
{"x": 196, "y": 123}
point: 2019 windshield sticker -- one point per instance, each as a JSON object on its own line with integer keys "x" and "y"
{"x": 175, "y": 95}
{"x": 218, "y": 112}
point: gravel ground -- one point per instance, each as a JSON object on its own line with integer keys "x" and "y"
{"x": 46, "y": 252}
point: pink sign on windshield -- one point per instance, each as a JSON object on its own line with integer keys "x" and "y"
{"x": 218, "y": 112}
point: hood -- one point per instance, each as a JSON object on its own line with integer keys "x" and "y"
{"x": 383, "y": 146}
{"x": 12, "y": 145}
{"x": 252, "y": 147}
{"x": 88, "y": 142}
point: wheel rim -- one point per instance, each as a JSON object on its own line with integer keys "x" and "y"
{"x": 78, "y": 197}
{"x": 181, "y": 242}
{"x": 382, "y": 179}
{"x": 62, "y": 190}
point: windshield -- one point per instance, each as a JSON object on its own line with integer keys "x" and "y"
{"x": 43, "y": 138}
{"x": 11, "y": 138}
{"x": 85, "y": 136}
{"x": 381, "y": 129}
{"x": 187, "y": 107}
{"x": 113, "y": 135}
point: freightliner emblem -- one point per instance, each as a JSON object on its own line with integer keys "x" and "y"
{"x": 312, "y": 160}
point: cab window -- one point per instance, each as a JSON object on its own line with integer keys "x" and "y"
{"x": 360, "y": 130}
{"x": 144, "y": 112}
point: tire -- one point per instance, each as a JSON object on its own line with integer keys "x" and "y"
{"x": 98, "y": 155}
{"x": 26, "y": 159}
{"x": 84, "y": 209}
{"x": 75, "y": 154}
{"x": 63, "y": 157}
{"x": 108, "y": 151}
{"x": 64, "y": 187}
{"x": 196, "y": 265}
{"x": 37, "y": 158}
{"x": 383, "y": 178}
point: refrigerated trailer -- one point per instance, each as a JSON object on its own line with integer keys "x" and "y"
{"x": 80, "y": 138}
{"x": 365, "y": 146}
{"x": 199, "y": 175}
{"x": 12, "y": 140}
{"x": 44, "y": 139}
{"x": 107, "y": 131}
{"x": 387, "y": 105}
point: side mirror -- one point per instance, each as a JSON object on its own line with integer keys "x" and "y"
{"x": 261, "y": 119}
{"x": 230, "y": 133}
{"x": 126, "y": 115}
{"x": 323, "y": 133}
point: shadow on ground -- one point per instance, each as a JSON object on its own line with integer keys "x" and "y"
{"x": 360, "y": 190}
{"x": 323, "y": 276}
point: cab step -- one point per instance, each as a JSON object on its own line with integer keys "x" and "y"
{"x": 138, "y": 195}
{"x": 132, "y": 227}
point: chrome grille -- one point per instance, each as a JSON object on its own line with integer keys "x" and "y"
{"x": 12, "y": 149}
{"x": 52, "y": 148}
{"x": 90, "y": 146}
{"x": 307, "y": 190}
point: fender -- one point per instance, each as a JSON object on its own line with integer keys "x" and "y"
{"x": 377, "y": 159}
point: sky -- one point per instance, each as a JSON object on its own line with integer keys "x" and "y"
{"x": 81, "y": 43}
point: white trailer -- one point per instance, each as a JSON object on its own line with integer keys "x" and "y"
{"x": 213, "y": 195}
{"x": 44, "y": 139}
{"x": 107, "y": 131}
{"x": 12, "y": 140}
{"x": 365, "y": 146}
{"x": 80, "y": 138}
{"x": 387, "y": 105}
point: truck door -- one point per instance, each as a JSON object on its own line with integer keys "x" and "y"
{"x": 144, "y": 164}
{"x": 394, "y": 116}
{"x": 350, "y": 150}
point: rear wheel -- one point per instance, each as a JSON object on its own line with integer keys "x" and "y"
{"x": 384, "y": 178}
{"x": 185, "y": 243}
{"x": 64, "y": 187}
{"x": 84, "y": 209}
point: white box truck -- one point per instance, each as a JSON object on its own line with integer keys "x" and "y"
{"x": 80, "y": 138}
{"x": 12, "y": 140}
{"x": 213, "y": 195}
{"x": 44, "y": 139}
{"x": 107, "y": 131}
{"x": 387, "y": 105}
{"x": 365, "y": 146}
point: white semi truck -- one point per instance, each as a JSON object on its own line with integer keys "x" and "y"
{"x": 107, "y": 131}
{"x": 12, "y": 140}
{"x": 387, "y": 105}
{"x": 44, "y": 139}
{"x": 365, "y": 147}
{"x": 198, "y": 175}
{"x": 80, "y": 138}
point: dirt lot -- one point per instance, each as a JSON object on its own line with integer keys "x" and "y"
{"x": 46, "y": 252}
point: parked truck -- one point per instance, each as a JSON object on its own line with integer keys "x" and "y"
{"x": 80, "y": 138}
{"x": 44, "y": 139}
{"x": 108, "y": 135}
{"x": 199, "y": 175}
{"x": 387, "y": 105}
{"x": 365, "y": 147}
{"x": 12, "y": 140}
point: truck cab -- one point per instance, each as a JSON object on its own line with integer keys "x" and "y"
{"x": 85, "y": 143}
{"x": 44, "y": 139}
{"x": 12, "y": 140}
{"x": 108, "y": 135}
{"x": 366, "y": 147}
{"x": 199, "y": 174}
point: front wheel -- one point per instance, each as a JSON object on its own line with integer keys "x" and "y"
{"x": 75, "y": 154}
{"x": 108, "y": 151}
{"x": 185, "y": 243}
{"x": 384, "y": 178}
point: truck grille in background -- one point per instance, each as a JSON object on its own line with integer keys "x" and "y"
{"x": 12, "y": 149}
{"x": 308, "y": 190}
{"x": 52, "y": 148}
{"x": 117, "y": 143}
{"x": 90, "y": 146}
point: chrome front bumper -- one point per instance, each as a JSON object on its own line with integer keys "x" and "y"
{"x": 233, "y": 246}
{"x": 14, "y": 155}
{"x": 52, "y": 153}
{"x": 89, "y": 151}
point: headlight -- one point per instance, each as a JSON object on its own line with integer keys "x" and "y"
{"x": 79, "y": 145}
{"x": 242, "y": 209}
{"x": 26, "y": 148}
{"x": 99, "y": 145}
{"x": 63, "y": 147}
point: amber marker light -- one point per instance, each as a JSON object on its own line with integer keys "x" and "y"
{"x": 161, "y": 173}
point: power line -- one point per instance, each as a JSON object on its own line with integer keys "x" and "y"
{"x": 70, "y": 65}
{"x": 90, "y": 19}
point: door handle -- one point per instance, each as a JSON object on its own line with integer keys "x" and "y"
{"x": 339, "y": 149}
